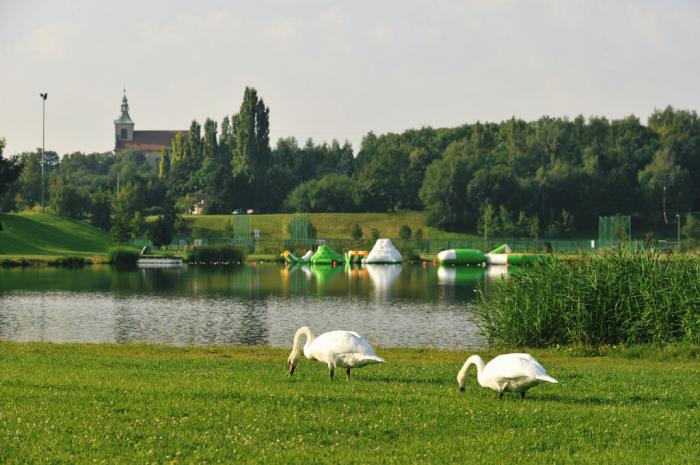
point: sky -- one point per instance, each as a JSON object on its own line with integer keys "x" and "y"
{"x": 336, "y": 69}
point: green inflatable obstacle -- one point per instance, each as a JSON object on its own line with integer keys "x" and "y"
{"x": 500, "y": 249}
{"x": 324, "y": 255}
{"x": 461, "y": 257}
{"x": 524, "y": 259}
{"x": 289, "y": 257}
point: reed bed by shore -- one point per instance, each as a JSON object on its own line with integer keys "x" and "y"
{"x": 628, "y": 297}
{"x": 155, "y": 404}
{"x": 123, "y": 256}
{"x": 216, "y": 255}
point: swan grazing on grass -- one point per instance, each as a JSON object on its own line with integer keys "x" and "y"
{"x": 506, "y": 373}
{"x": 345, "y": 349}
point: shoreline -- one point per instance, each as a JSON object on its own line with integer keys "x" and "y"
{"x": 649, "y": 351}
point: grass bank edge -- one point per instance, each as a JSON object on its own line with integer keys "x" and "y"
{"x": 651, "y": 352}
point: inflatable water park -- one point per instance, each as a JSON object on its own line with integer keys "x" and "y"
{"x": 385, "y": 253}
{"x": 501, "y": 255}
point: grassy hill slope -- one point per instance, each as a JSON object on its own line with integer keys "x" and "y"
{"x": 328, "y": 225}
{"x": 34, "y": 234}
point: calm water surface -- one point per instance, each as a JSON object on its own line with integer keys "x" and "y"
{"x": 392, "y": 306}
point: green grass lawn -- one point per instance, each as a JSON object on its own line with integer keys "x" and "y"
{"x": 37, "y": 235}
{"x": 156, "y": 404}
{"x": 329, "y": 225}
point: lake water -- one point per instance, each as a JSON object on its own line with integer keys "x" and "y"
{"x": 263, "y": 304}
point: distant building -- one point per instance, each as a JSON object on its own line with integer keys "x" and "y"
{"x": 198, "y": 206}
{"x": 149, "y": 142}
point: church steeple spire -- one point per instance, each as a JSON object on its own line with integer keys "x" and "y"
{"x": 124, "y": 125}
{"x": 124, "y": 118}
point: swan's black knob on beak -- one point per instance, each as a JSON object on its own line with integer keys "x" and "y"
{"x": 461, "y": 388}
{"x": 290, "y": 368}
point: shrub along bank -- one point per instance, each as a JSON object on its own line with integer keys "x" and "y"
{"x": 215, "y": 255}
{"x": 627, "y": 297}
{"x": 123, "y": 257}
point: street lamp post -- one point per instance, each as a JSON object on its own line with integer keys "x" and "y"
{"x": 678, "y": 232}
{"x": 43, "y": 140}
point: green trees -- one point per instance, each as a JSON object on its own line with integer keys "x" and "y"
{"x": 100, "y": 209}
{"x": 380, "y": 180}
{"x": 691, "y": 228}
{"x": 251, "y": 157}
{"x": 444, "y": 188}
{"x": 662, "y": 179}
{"x": 9, "y": 171}
{"x": 160, "y": 231}
{"x": 512, "y": 179}
{"x": 331, "y": 193}
{"x": 29, "y": 189}
{"x": 164, "y": 164}
{"x": 66, "y": 200}
{"x": 214, "y": 176}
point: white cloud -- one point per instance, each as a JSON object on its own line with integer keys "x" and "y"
{"x": 331, "y": 18}
{"x": 217, "y": 18}
{"x": 283, "y": 29}
{"x": 382, "y": 33}
{"x": 49, "y": 41}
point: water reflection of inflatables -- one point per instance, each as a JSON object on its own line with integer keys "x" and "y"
{"x": 325, "y": 273}
{"x": 494, "y": 272}
{"x": 450, "y": 276}
{"x": 383, "y": 276}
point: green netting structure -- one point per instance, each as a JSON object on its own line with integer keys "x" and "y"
{"x": 241, "y": 227}
{"x": 299, "y": 227}
{"x": 614, "y": 230}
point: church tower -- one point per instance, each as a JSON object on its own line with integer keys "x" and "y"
{"x": 124, "y": 126}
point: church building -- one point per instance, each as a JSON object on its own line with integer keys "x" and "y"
{"x": 149, "y": 142}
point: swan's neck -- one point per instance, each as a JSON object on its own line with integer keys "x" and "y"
{"x": 296, "y": 347}
{"x": 473, "y": 360}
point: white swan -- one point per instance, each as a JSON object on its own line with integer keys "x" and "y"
{"x": 345, "y": 349}
{"x": 506, "y": 373}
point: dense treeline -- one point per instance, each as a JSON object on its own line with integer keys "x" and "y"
{"x": 515, "y": 178}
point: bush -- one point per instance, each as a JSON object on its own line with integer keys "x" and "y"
{"x": 408, "y": 253}
{"x": 356, "y": 232}
{"x": 331, "y": 193}
{"x": 121, "y": 227}
{"x": 70, "y": 262}
{"x": 623, "y": 297}
{"x": 215, "y": 255}
{"x": 160, "y": 232}
{"x": 405, "y": 232}
{"x": 123, "y": 257}
{"x": 691, "y": 229}
{"x": 418, "y": 234}
{"x": 375, "y": 233}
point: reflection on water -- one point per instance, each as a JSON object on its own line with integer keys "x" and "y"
{"x": 451, "y": 276}
{"x": 391, "y": 305}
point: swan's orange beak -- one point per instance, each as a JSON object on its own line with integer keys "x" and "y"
{"x": 290, "y": 368}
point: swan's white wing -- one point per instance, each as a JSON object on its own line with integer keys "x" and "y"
{"x": 341, "y": 342}
{"x": 514, "y": 366}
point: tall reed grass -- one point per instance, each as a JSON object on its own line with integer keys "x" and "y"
{"x": 123, "y": 257}
{"x": 215, "y": 255}
{"x": 625, "y": 297}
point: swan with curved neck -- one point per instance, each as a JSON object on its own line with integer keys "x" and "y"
{"x": 506, "y": 373}
{"x": 345, "y": 349}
